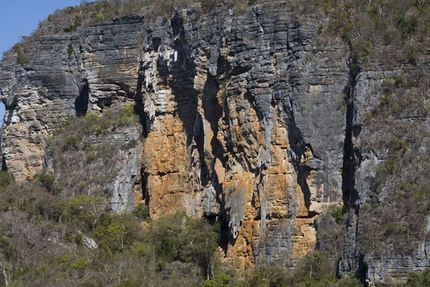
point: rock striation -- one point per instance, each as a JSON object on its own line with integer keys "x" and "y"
{"x": 256, "y": 120}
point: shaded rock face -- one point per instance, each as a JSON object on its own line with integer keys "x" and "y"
{"x": 255, "y": 120}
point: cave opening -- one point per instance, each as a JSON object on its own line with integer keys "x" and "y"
{"x": 81, "y": 102}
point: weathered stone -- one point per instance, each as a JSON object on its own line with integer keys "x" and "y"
{"x": 254, "y": 119}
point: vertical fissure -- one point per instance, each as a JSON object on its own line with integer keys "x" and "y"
{"x": 140, "y": 105}
{"x": 348, "y": 169}
{"x": 351, "y": 260}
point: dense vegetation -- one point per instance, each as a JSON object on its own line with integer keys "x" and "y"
{"x": 47, "y": 239}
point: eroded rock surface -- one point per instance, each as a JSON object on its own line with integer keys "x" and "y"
{"x": 255, "y": 120}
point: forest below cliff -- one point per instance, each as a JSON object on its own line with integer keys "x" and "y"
{"x": 52, "y": 238}
{"x": 218, "y": 143}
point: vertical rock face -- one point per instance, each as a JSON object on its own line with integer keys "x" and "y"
{"x": 70, "y": 75}
{"x": 387, "y": 221}
{"x": 245, "y": 122}
{"x": 66, "y": 75}
{"x": 256, "y": 120}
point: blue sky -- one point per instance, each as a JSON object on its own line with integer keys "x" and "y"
{"x": 20, "y": 18}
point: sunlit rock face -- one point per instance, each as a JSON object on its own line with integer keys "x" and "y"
{"x": 245, "y": 123}
{"x": 254, "y": 120}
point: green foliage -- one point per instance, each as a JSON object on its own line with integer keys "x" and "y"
{"x": 126, "y": 252}
{"x": 46, "y": 180}
{"x": 6, "y": 248}
{"x": 273, "y": 276}
{"x": 109, "y": 120}
{"x": 408, "y": 25}
{"x": 91, "y": 117}
{"x": 98, "y": 17}
{"x": 127, "y": 115}
{"x": 361, "y": 50}
{"x": 69, "y": 50}
{"x": 51, "y": 210}
{"x": 65, "y": 262}
{"x": 393, "y": 227}
{"x": 418, "y": 279}
{"x": 80, "y": 264}
{"x": 390, "y": 167}
{"x": 397, "y": 146}
{"x": 200, "y": 241}
{"x": 219, "y": 280}
{"x": 179, "y": 237}
{"x": 166, "y": 236}
{"x": 318, "y": 272}
{"x": 21, "y": 57}
{"x": 174, "y": 249}
{"x": 131, "y": 283}
{"x": 111, "y": 236}
{"x": 71, "y": 143}
{"x": 85, "y": 211}
{"x": 115, "y": 233}
{"x": 339, "y": 213}
{"x": 412, "y": 56}
{"x": 5, "y": 179}
{"x": 141, "y": 211}
{"x": 315, "y": 266}
{"x": 421, "y": 193}
{"x": 349, "y": 282}
{"x": 31, "y": 198}
{"x": 342, "y": 23}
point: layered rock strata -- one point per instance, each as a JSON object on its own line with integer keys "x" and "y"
{"x": 255, "y": 120}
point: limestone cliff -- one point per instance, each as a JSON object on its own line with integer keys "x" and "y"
{"x": 256, "y": 120}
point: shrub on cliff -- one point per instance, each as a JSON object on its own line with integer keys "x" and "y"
{"x": 21, "y": 57}
{"x": 418, "y": 279}
{"x": 141, "y": 211}
{"x": 5, "y": 179}
{"x": 85, "y": 156}
{"x": 46, "y": 180}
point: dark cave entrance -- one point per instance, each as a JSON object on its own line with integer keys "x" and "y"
{"x": 81, "y": 102}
